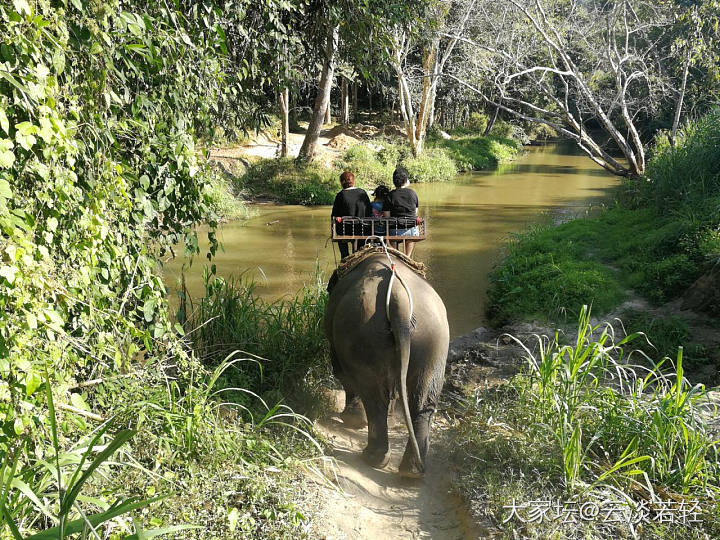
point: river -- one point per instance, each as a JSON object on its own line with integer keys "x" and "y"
{"x": 467, "y": 219}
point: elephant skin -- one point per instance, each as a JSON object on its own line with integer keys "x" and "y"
{"x": 377, "y": 358}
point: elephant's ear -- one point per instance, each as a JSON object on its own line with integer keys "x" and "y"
{"x": 333, "y": 281}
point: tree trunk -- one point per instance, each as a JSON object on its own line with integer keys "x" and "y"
{"x": 679, "y": 104}
{"x": 344, "y": 103}
{"x": 328, "y": 113}
{"x": 492, "y": 121}
{"x": 369, "y": 91}
{"x": 355, "y": 101}
{"x": 284, "y": 99}
{"x": 322, "y": 101}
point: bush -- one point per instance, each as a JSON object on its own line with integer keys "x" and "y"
{"x": 502, "y": 130}
{"x": 689, "y": 172}
{"x": 541, "y": 132}
{"x": 372, "y": 166}
{"x": 478, "y": 122}
{"x": 288, "y": 182}
{"x": 476, "y": 153}
{"x": 433, "y": 165}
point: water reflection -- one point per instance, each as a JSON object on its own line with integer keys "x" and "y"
{"x": 467, "y": 221}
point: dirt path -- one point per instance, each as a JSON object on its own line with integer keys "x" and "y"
{"x": 379, "y": 504}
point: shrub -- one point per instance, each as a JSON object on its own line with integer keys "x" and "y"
{"x": 371, "y": 166}
{"x": 478, "y": 122}
{"x": 433, "y": 165}
{"x": 689, "y": 172}
{"x": 502, "y": 130}
{"x": 541, "y": 132}
{"x": 283, "y": 179}
{"x": 476, "y": 153}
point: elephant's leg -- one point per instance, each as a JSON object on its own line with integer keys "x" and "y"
{"x": 377, "y": 451}
{"x": 353, "y": 415}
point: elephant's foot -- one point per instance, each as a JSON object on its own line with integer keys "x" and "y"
{"x": 410, "y": 468}
{"x": 354, "y": 416}
{"x": 376, "y": 457}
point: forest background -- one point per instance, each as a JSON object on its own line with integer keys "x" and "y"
{"x": 109, "y": 404}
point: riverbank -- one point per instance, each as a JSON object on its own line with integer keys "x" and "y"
{"x": 655, "y": 247}
{"x": 531, "y": 461}
{"x": 253, "y": 172}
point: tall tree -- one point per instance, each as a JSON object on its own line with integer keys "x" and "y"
{"x": 576, "y": 66}
{"x": 434, "y": 54}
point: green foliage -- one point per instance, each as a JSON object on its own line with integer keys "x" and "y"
{"x": 660, "y": 238}
{"x": 478, "y": 122}
{"x": 502, "y": 130}
{"x": 541, "y": 132}
{"x": 283, "y": 179}
{"x": 689, "y": 172}
{"x": 371, "y": 165}
{"x": 546, "y": 274}
{"x": 100, "y": 107}
{"x": 224, "y": 204}
{"x": 285, "y": 336}
{"x": 582, "y": 419}
{"x": 664, "y": 334}
{"x": 433, "y": 165}
{"x": 374, "y": 166}
{"x": 476, "y": 152}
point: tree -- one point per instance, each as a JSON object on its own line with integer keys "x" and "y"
{"x": 576, "y": 66}
{"x": 432, "y": 63}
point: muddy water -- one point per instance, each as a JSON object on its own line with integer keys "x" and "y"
{"x": 468, "y": 219}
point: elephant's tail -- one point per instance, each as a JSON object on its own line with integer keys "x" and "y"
{"x": 401, "y": 327}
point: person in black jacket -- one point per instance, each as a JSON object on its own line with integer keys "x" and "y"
{"x": 351, "y": 201}
{"x": 402, "y": 203}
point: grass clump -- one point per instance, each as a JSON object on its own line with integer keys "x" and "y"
{"x": 434, "y": 165}
{"x": 223, "y": 202}
{"x": 285, "y": 180}
{"x": 285, "y": 338}
{"x": 659, "y": 237}
{"x": 475, "y": 152}
{"x": 582, "y": 424}
{"x": 374, "y": 165}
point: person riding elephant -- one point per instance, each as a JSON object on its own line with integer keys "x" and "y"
{"x": 402, "y": 203}
{"x": 383, "y": 301}
{"x": 350, "y": 202}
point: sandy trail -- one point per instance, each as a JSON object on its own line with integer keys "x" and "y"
{"x": 379, "y": 504}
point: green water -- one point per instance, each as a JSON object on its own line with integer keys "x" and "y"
{"x": 468, "y": 219}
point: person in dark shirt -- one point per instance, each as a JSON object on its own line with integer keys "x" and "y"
{"x": 402, "y": 203}
{"x": 351, "y": 201}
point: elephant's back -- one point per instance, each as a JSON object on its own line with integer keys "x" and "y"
{"x": 362, "y": 293}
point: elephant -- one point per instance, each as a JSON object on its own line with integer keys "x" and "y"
{"x": 379, "y": 348}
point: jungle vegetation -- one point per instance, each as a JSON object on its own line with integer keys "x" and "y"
{"x": 119, "y": 419}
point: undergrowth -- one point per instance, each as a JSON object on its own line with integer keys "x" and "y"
{"x": 657, "y": 239}
{"x": 474, "y": 152}
{"x": 284, "y": 338}
{"x": 583, "y": 424}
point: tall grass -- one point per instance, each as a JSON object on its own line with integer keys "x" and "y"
{"x": 285, "y": 337}
{"x": 613, "y": 420}
{"x": 582, "y": 422}
{"x": 689, "y": 172}
{"x": 46, "y": 491}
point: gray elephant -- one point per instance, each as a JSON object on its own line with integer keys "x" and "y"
{"x": 385, "y": 344}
